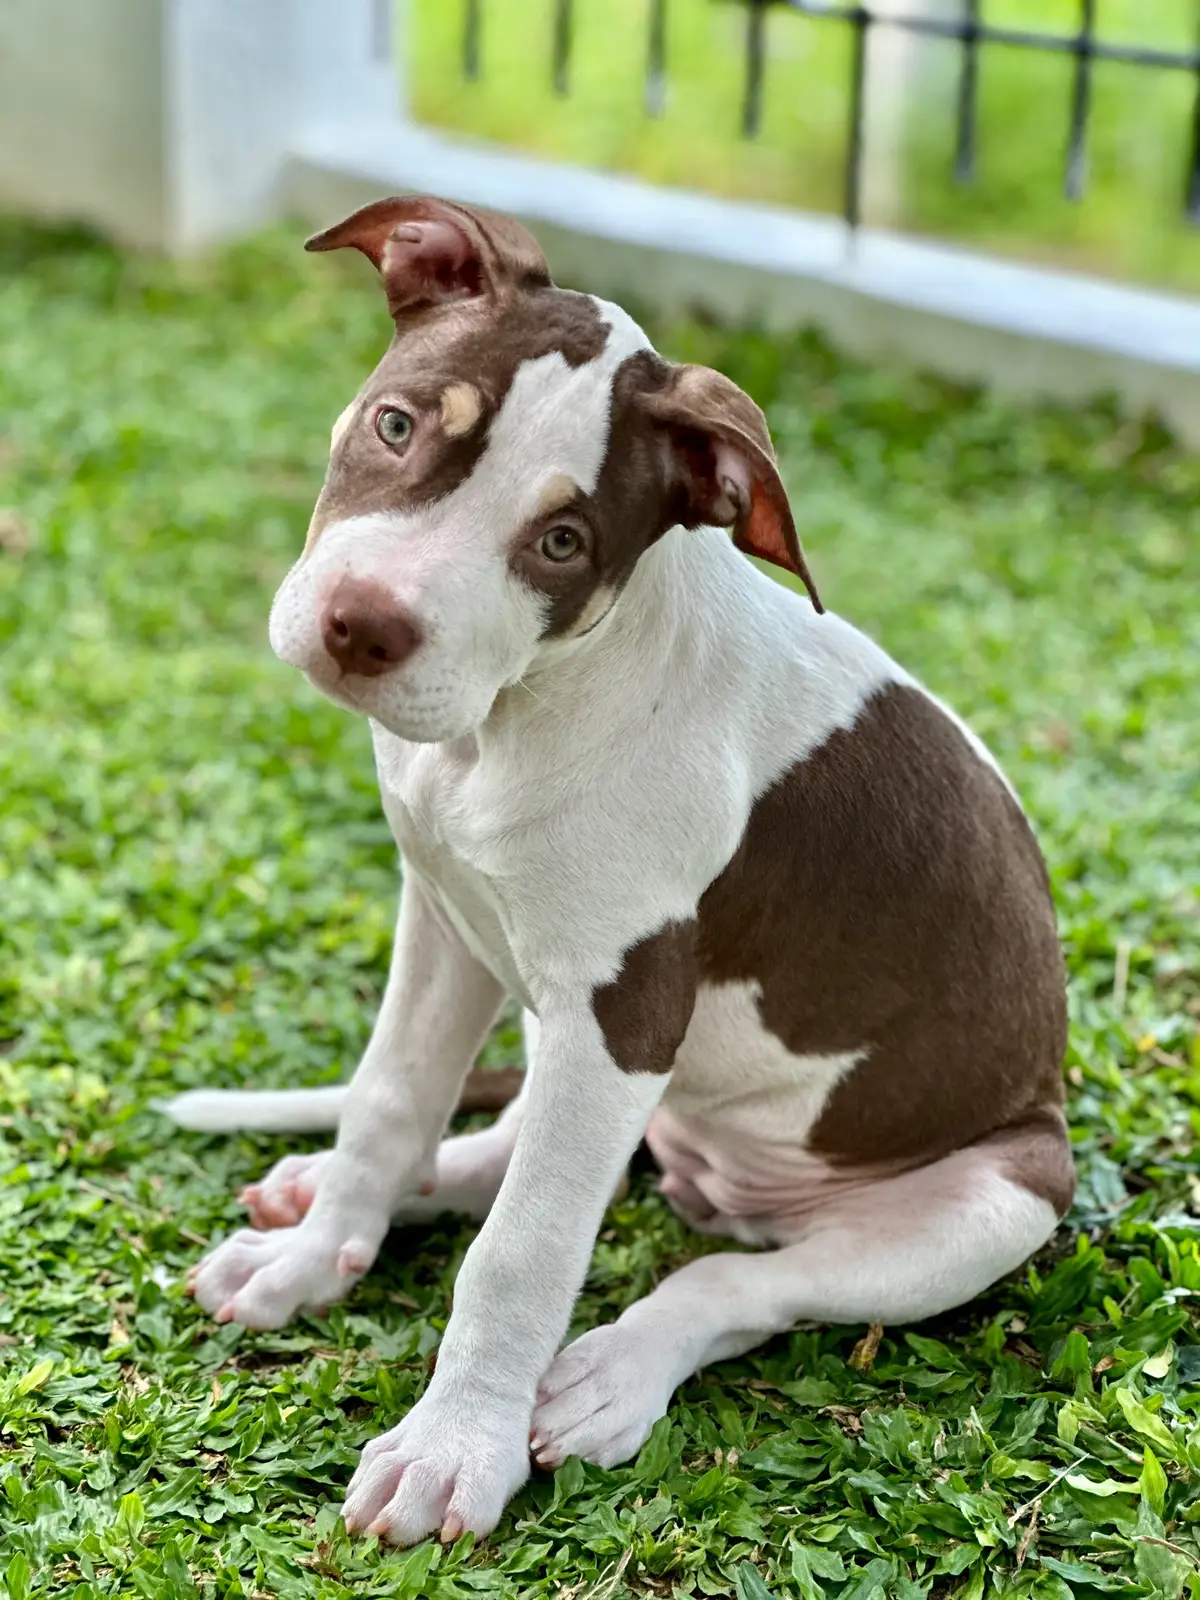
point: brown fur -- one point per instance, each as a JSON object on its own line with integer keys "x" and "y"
{"x": 644, "y": 1012}
{"x": 888, "y": 892}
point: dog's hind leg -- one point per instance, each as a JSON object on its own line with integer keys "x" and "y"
{"x": 470, "y": 1166}
{"x": 893, "y": 1251}
{"x": 470, "y": 1169}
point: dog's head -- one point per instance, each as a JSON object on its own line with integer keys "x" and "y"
{"x": 493, "y": 485}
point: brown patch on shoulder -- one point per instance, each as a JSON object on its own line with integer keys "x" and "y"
{"x": 888, "y": 894}
{"x": 462, "y": 408}
{"x": 1037, "y": 1155}
{"x": 645, "y": 1010}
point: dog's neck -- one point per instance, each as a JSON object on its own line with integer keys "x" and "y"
{"x": 625, "y": 654}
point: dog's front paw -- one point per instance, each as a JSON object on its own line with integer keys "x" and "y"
{"x": 599, "y": 1399}
{"x": 262, "y": 1279}
{"x": 448, "y": 1468}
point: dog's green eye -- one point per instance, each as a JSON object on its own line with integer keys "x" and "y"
{"x": 560, "y": 544}
{"x": 394, "y": 427}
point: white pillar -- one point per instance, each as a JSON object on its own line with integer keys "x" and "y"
{"x": 168, "y": 123}
{"x": 81, "y": 113}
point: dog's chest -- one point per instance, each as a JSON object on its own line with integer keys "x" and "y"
{"x": 442, "y": 830}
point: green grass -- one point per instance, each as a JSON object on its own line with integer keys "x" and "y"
{"x": 1130, "y": 223}
{"x": 197, "y": 887}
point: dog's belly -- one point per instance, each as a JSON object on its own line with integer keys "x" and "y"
{"x": 731, "y": 1133}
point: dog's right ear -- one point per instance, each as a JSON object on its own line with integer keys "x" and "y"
{"x": 429, "y": 251}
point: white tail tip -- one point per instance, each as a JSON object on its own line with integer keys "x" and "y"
{"x": 256, "y": 1110}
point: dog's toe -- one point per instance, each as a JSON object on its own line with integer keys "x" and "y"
{"x": 599, "y": 1399}
{"x": 436, "y": 1474}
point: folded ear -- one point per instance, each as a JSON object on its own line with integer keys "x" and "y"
{"x": 429, "y": 251}
{"x": 725, "y": 466}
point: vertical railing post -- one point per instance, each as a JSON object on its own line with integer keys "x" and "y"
{"x": 756, "y": 24}
{"x": 472, "y": 26}
{"x": 1081, "y": 102}
{"x": 1192, "y": 193}
{"x": 860, "y": 20}
{"x": 968, "y": 95}
{"x": 655, "y": 97}
{"x": 563, "y": 19}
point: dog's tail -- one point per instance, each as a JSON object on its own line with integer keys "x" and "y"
{"x": 312, "y": 1110}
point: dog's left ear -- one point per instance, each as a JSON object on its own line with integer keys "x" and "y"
{"x": 429, "y": 251}
{"x": 724, "y": 467}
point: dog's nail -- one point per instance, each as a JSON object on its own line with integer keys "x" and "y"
{"x": 379, "y": 1528}
{"x": 451, "y": 1529}
{"x": 546, "y": 1459}
{"x": 536, "y": 1442}
{"x": 225, "y": 1314}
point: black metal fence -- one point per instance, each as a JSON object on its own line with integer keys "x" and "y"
{"x": 968, "y": 30}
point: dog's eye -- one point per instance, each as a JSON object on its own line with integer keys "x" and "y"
{"x": 560, "y": 544}
{"x": 394, "y": 427}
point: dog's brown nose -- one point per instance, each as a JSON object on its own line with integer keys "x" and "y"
{"x": 365, "y": 631}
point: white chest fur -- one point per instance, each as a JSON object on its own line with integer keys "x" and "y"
{"x": 430, "y": 802}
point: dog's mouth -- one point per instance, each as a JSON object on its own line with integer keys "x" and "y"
{"x": 340, "y": 687}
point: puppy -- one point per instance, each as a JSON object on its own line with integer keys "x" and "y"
{"x": 764, "y": 900}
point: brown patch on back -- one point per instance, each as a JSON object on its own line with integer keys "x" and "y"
{"x": 1037, "y": 1155}
{"x": 889, "y": 893}
{"x": 644, "y": 1012}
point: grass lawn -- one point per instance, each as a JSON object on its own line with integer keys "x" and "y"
{"x": 1130, "y": 223}
{"x": 197, "y": 887}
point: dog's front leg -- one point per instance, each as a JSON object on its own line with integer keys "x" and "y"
{"x": 437, "y": 1008}
{"x": 459, "y": 1455}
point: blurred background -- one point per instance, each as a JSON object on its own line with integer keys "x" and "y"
{"x": 952, "y": 247}
{"x": 1000, "y": 169}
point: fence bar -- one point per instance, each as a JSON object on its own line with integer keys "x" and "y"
{"x": 1192, "y": 198}
{"x": 470, "y": 39}
{"x": 860, "y": 20}
{"x": 756, "y": 22}
{"x": 1021, "y": 38}
{"x": 656, "y": 60}
{"x": 1081, "y": 102}
{"x": 563, "y": 18}
{"x": 968, "y": 90}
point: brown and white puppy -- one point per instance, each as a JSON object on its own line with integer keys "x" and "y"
{"x": 765, "y": 901}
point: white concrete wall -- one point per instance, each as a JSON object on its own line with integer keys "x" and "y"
{"x": 81, "y": 113}
{"x": 168, "y": 122}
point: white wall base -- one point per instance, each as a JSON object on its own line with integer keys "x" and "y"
{"x": 1024, "y": 330}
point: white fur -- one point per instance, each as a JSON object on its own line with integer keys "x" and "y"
{"x": 556, "y": 802}
{"x": 447, "y": 564}
{"x": 269, "y": 1110}
{"x": 893, "y": 1251}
